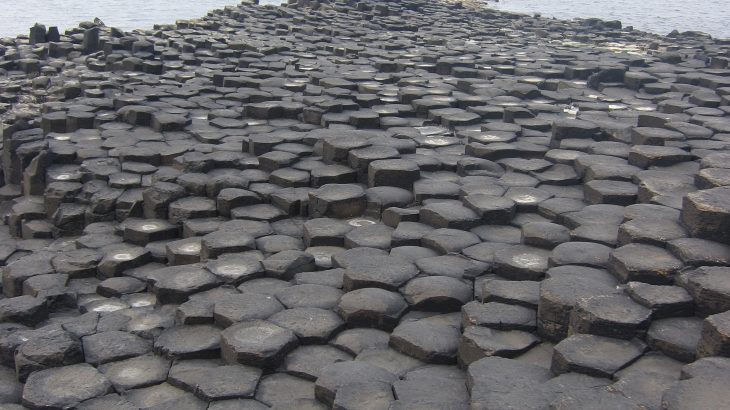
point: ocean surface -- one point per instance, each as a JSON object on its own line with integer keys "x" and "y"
{"x": 658, "y": 16}
{"x": 17, "y": 16}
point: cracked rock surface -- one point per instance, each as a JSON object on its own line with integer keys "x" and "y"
{"x": 364, "y": 205}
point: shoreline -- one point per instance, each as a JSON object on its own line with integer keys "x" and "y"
{"x": 482, "y": 5}
{"x": 399, "y": 204}
{"x": 668, "y": 31}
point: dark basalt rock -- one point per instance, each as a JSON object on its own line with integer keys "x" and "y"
{"x": 479, "y": 342}
{"x": 189, "y": 342}
{"x": 112, "y": 346}
{"x": 307, "y": 362}
{"x": 371, "y": 307}
{"x": 338, "y": 375}
{"x": 256, "y": 343}
{"x": 708, "y": 287}
{"x": 141, "y": 371}
{"x": 367, "y": 204}
{"x": 52, "y": 388}
{"x": 595, "y": 355}
{"x": 609, "y": 315}
{"x": 428, "y": 342}
{"x": 216, "y": 382}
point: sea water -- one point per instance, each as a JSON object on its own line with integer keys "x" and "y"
{"x": 656, "y": 16}
{"x": 17, "y": 16}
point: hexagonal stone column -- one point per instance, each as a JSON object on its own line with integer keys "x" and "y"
{"x": 707, "y": 214}
{"x": 175, "y": 283}
{"x": 710, "y": 288}
{"x": 64, "y": 387}
{"x": 429, "y": 342}
{"x": 399, "y": 173}
{"x": 216, "y": 382}
{"x": 338, "y": 375}
{"x": 189, "y": 342}
{"x": 220, "y": 242}
{"x": 558, "y": 297}
{"x": 372, "y": 307}
{"x": 676, "y": 337}
{"x": 257, "y": 343}
{"x": 479, "y": 342}
{"x": 715, "y": 339}
{"x": 644, "y": 263}
{"x": 595, "y": 355}
{"x": 493, "y": 376}
{"x": 374, "y": 271}
{"x": 337, "y": 201}
{"x": 609, "y": 315}
{"x": 25, "y": 309}
{"x": 111, "y": 346}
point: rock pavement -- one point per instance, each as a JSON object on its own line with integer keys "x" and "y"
{"x": 365, "y": 205}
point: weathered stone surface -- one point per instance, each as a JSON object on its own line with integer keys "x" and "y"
{"x": 309, "y": 295}
{"x": 325, "y": 232}
{"x": 446, "y": 240}
{"x": 11, "y": 389}
{"x": 522, "y": 293}
{"x": 141, "y": 371}
{"x": 699, "y": 391}
{"x": 595, "y": 355}
{"x": 644, "y": 263}
{"x": 492, "y": 377}
{"x": 377, "y": 271}
{"x": 412, "y": 184}
{"x": 609, "y": 315}
{"x": 256, "y": 343}
{"x": 280, "y": 389}
{"x": 176, "y": 283}
{"x": 479, "y": 342}
{"x": 311, "y": 325}
{"x": 705, "y": 213}
{"x": 44, "y": 349}
{"x": 221, "y": 242}
{"x": 419, "y": 387}
{"x": 357, "y": 340}
{"x": 437, "y": 293}
{"x": 243, "y": 307}
{"x": 307, "y": 362}
{"x": 111, "y": 346}
{"x": 236, "y": 268}
{"x": 498, "y": 315}
{"x": 338, "y": 375}
{"x": 217, "y": 382}
{"x": 189, "y": 342}
{"x": 675, "y": 337}
{"x": 372, "y": 307}
{"x": 363, "y": 396}
{"x": 163, "y": 395}
{"x": 715, "y": 337}
{"x": 428, "y": 342}
{"x": 700, "y": 252}
{"x": 51, "y": 388}
{"x": 559, "y": 295}
{"x": 664, "y": 301}
{"x": 709, "y": 288}
{"x": 449, "y": 215}
{"x": 25, "y": 310}
{"x": 521, "y": 262}
{"x": 337, "y": 201}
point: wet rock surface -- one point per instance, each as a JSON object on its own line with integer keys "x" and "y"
{"x": 377, "y": 204}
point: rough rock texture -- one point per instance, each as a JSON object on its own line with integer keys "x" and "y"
{"x": 364, "y": 205}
